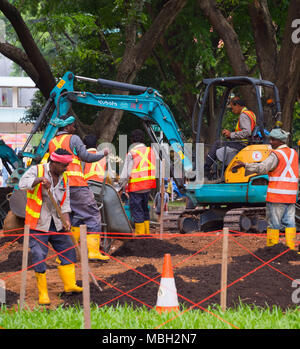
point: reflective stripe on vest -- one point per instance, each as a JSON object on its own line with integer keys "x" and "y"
{"x": 143, "y": 171}
{"x": 74, "y": 169}
{"x": 252, "y": 118}
{"x": 95, "y": 170}
{"x": 283, "y": 181}
{"x": 34, "y": 201}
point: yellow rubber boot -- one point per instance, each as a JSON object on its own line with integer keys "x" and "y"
{"x": 290, "y": 237}
{"x": 42, "y": 287}
{"x": 93, "y": 244}
{"x": 67, "y": 275}
{"x": 139, "y": 228}
{"x": 272, "y": 237}
{"x": 76, "y": 234}
{"x": 147, "y": 227}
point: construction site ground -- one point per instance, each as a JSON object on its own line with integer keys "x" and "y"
{"x": 133, "y": 273}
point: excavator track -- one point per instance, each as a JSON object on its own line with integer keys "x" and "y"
{"x": 242, "y": 219}
{"x": 246, "y": 219}
{"x": 252, "y": 219}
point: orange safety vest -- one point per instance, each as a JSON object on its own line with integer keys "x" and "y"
{"x": 283, "y": 181}
{"x": 142, "y": 176}
{"x": 35, "y": 200}
{"x": 74, "y": 169}
{"x": 95, "y": 170}
{"x": 252, "y": 118}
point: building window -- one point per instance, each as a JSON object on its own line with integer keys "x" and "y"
{"x": 25, "y": 95}
{"x": 5, "y": 97}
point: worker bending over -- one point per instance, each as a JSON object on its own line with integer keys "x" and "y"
{"x": 83, "y": 204}
{"x": 282, "y": 168}
{"x": 41, "y": 216}
{"x": 138, "y": 178}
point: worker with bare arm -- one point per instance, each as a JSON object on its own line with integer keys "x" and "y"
{"x": 83, "y": 204}
{"x": 138, "y": 178}
{"x": 42, "y": 218}
{"x": 282, "y": 168}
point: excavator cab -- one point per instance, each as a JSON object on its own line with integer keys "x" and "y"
{"x": 231, "y": 199}
{"x": 215, "y": 114}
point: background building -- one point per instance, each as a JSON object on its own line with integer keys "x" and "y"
{"x": 16, "y": 93}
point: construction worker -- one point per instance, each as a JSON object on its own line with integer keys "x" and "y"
{"x": 138, "y": 178}
{"x": 96, "y": 170}
{"x": 83, "y": 204}
{"x": 42, "y": 217}
{"x": 157, "y": 203}
{"x": 282, "y": 168}
{"x": 237, "y": 139}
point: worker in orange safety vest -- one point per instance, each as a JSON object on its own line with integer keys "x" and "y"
{"x": 96, "y": 170}
{"x": 41, "y": 216}
{"x": 83, "y": 204}
{"x": 137, "y": 179}
{"x": 283, "y": 170}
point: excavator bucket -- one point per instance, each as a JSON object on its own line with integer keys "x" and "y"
{"x": 13, "y": 221}
{"x": 115, "y": 216}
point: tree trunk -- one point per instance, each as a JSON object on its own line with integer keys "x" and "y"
{"x": 281, "y": 67}
{"x": 233, "y": 49}
{"x": 288, "y": 71}
{"x": 132, "y": 61}
{"x": 32, "y": 61}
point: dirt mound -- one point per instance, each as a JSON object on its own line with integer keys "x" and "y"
{"x": 279, "y": 253}
{"x": 150, "y": 248}
{"x": 133, "y": 274}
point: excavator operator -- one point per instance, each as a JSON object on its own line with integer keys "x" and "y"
{"x": 238, "y": 139}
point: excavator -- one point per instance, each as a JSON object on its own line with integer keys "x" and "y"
{"x": 234, "y": 200}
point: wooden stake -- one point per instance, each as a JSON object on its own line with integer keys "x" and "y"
{"x": 224, "y": 269}
{"x": 85, "y": 277}
{"x": 24, "y": 265}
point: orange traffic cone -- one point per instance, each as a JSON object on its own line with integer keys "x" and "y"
{"x": 167, "y": 299}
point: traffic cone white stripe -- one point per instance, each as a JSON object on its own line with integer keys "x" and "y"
{"x": 167, "y": 299}
{"x": 167, "y": 293}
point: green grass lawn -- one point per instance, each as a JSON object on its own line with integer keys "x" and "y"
{"x": 243, "y": 317}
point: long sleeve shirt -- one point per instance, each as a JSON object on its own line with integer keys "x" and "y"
{"x": 48, "y": 211}
{"x": 245, "y": 126}
{"x": 79, "y": 149}
{"x": 265, "y": 166}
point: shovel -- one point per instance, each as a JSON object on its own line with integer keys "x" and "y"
{"x": 65, "y": 225}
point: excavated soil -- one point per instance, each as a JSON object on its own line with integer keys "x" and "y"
{"x": 136, "y": 264}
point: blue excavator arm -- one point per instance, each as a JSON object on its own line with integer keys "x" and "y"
{"x": 146, "y": 103}
{"x": 9, "y": 157}
{"x": 148, "y": 106}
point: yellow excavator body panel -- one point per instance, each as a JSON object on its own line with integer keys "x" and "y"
{"x": 249, "y": 154}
